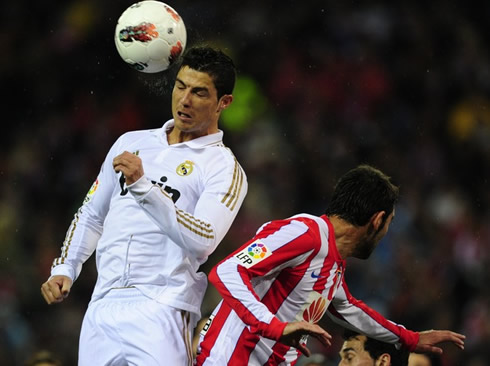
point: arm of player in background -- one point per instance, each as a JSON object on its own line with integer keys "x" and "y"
{"x": 86, "y": 227}
{"x": 201, "y": 231}
{"x": 286, "y": 243}
{"x": 356, "y": 315}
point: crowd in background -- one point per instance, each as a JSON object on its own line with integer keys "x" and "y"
{"x": 323, "y": 86}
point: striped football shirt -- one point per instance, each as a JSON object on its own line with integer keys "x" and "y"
{"x": 290, "y": 271}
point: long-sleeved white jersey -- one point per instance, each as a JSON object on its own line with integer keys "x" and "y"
{"x": 290, "y": 271}
{"x": 155, "y": 233}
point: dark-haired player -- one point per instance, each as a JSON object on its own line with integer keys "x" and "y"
{"x": 163, "y": 201}
{"x": 278, "y": 285}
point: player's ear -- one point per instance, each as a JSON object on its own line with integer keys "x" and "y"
{"x": 383, "y": 360}
{"x": 225, "y": 102}
{"x": 378, "y": 219}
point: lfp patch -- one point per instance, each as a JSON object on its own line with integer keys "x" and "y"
{"x": 253, "y": 254}
{"x": 91, "y": 191}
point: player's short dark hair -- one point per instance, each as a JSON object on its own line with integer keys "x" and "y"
{"x": 360, "y": 193}
{"x": 375, "y": 348}
{"x": 215, "y": 63}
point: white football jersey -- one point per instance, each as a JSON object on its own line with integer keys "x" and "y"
{"x": 155, "y": 233}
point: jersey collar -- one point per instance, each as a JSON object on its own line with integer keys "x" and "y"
{"x": 198, "y": 143}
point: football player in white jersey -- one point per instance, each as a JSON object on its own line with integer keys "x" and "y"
{"x": 162, "y": 202}
{"x": 278, "y": 285}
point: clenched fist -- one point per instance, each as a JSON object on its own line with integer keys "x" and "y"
{"x": 56, "y": 289}
{"x": 130, "y": 165}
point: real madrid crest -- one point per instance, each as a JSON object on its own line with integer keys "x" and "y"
{"x": 185, "y": 168}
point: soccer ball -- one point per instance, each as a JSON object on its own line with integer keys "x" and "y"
{"x": 150, "y": 36}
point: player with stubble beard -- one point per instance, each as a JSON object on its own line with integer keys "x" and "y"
{"x": 279, "y": 284}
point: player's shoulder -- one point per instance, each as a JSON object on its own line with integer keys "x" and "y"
{"x": 223, "y": 151}
{"x": 315, "y": 224}
{"x": 308, "y": 219}
{"x": 221, "y": 157}
{"x": 301, "y": 222}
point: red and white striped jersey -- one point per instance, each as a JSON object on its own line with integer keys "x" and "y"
{"x": 290, "y": 271}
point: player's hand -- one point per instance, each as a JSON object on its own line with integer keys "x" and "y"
{"x": 430, "y": 338}
{"x": 56, "y": 289}
{"x": 294, "y": 332}
{"x": 130, "y": 165}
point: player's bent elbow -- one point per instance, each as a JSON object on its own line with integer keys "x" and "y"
{"x": 204, "y": 250}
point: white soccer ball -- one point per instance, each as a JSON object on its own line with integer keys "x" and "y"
{"x": 150, "y": 36}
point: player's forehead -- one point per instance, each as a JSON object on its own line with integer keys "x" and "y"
{"x": 195, "y": 79}
{"x": 355, "y": 344}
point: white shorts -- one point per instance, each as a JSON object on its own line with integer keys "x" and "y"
{"x": 127, "y": 328}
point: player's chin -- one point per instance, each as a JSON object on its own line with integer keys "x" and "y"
{"x": 183, "y": 121}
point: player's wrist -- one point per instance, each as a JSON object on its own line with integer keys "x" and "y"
{"x": 275, "y": 329}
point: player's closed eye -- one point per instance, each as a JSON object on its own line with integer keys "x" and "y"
{"x": 348, "y": 357}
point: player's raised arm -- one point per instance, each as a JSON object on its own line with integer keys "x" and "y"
{"x": 200, "y": 231}
{"x": 354, "y": 314}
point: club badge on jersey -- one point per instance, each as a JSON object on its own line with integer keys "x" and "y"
{"x": 185, "y": 168}
{"x": 253, "y": 254}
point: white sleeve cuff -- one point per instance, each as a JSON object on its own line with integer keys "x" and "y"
{"x": 63, "y": 270}
{"x": 140, "y": 188}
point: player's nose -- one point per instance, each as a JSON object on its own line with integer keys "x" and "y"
{"x": 185, "y": 98}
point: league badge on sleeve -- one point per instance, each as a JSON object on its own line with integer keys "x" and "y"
{"x": 253, "y": 254}
{"x": 91, "y": 191}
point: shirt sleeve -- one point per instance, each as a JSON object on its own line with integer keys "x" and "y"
{"x": 356, "y": 315}
{"x": 277, "y": 247}
{"x": 86, "y": 227}
{"x": 201, "y": 231}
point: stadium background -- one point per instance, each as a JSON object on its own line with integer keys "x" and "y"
{"x": 324, "y": 86}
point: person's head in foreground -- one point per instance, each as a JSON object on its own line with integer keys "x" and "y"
{"x": 359, "y": 350}
{"x": 419, "y": 359}
{"x": 43, "y": 358}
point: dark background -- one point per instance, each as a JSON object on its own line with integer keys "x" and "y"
{"x": 324, "y": 86}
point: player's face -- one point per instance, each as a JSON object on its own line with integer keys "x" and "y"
{"x": 372, "y": 238}
{"x": 354, "y": 354}
{"x": 195, "y": 104}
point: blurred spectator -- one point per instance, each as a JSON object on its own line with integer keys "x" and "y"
{"x": 315, "y": 359}
{"x": 418, "y": 359}
{"x": 43, "y": 358}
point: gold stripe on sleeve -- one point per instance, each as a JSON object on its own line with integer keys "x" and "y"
{"x": 67, "y": 242}
{"x": 190, "y": 217}
{"x": 192, "y": 221}
{"x": 194, "y": 230}
{"x": 232, "y": 185}
{"x": 240, "y": 185}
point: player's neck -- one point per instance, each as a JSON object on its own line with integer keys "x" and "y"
{"x": 176, "y": 136}
{"x": 347, "y": 236}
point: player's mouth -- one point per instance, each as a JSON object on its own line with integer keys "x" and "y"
{"x": 184, "y": 116}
